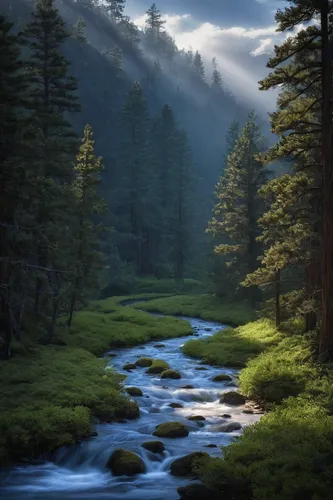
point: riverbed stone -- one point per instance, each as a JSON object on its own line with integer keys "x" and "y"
{"x": 232, "y": 398}
{"x": 159, "y": 346}
{"x": 154, "y": 446}
{"x": 222, "y": 377}
{"x": 130, "y": 366}
{"x": 196, "y": 492}
{"x": 171, "y": 430}
{"x": 230, "y": 427}
{"x": 174, "y": 374}
{"x": 158, "y": 366}
{"x": 131, "y": 412}
{"x": 125, "y": 463}
{"x": 184, "y": 466}
{"x": 176, "y": 405}
{"x": 196, "y": 418}
{"x": 134, "y": 391}
{"x": 226, "y": 415}
{"x": 144, "y": 362}
{"x": 188, "y": 387}
{"x": 201, "y": 368}
{"x": 211, "y": 445}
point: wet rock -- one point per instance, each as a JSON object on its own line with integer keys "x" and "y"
{"x": 184, "y": 466}
{"x": 158, "y": 366}
{"x": 154, "y": 446}
{"x": 248, "y": 411}
{"x": 144, "y": 362}
{"x": 226, "y": 415}
{"x": 134, "y": 391}
{"x": 196, "y": 418}
{"x": 208, "y": 329}
{"x": 129, "y": 366}
{"x": 132, "y": 411}
{"x": 188, "y": 387}
{"x": 111, "y": 355}
{"x": 154, "y": 409}
{"x": 174, "y": 374}
{"x": 159, "y": 346}
{"x": 121, "y": 421}
{"x": 231, "y": 427}
{"x": 222, "y": 377}
{"x": 196, "y": 492}
{"x": 211, "y": 446}
{"x": 176, "y": 405}
{"x": 201, "y": 368}
{"x": 125, "y": 463}
{"x": 93, "y": 434}
{"x": 232, "y": 398}
{"x": 171, "y": 430}
{"x": 142, "y": 347}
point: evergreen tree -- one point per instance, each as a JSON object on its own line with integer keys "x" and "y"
{"x": 116, "y": 9}
{"x": 198, "y": 66}
{"x": 238, "y": 205}
{"x": 12, "y": 123}
{"x": 85, "y": 231}
{"x": 180, "y": 238}
{"x": 51, "y": 99}
{"x": 135, "y": 191}
{"x": 217, "y": 82}
{"x": 79, "y": 31}
{"x": 154, "y": 21}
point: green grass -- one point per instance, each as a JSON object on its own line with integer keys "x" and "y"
{"x": 166, "y": 285}
{"x": 109, "y": 325}
{"x": 203, "y": 306}
{"x": 48, "y": 399}
{"x": 234, "y": 347}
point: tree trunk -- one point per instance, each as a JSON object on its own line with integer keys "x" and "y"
{"x": 311, "y": 288}
{"x": 326, "y": 338}
{"x": 277, "y": 298}
{"x": 72, "y": 307}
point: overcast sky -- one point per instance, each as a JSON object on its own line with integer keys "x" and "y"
{"x": 239, "y": 33}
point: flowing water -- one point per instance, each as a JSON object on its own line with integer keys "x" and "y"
{"x": 79, "y": 472}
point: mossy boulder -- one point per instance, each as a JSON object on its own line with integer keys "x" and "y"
{"x": 233, "y": 398}
{"x": 129, "y": 366}
{"x": 131, "y": 411}
{"x": 176, "y": 405}
{"x": 144, "y": 362}
{"x": 171, "y": 374}
{"x": 197, "y": 492}
{"x": 154, "y": 446}
{"x": 171, "y": 430}
{"x": 158, "y": 366}
{"x": 222, "y": 377}
{"x": 184, "y": 466}
{"x": 125, "y": 463}
{"x": 134, "y": 391}
{"x": 196, "y": 418}
{"x": 201, "y": 368}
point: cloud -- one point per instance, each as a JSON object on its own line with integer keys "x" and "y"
{"x": 266, "y": 47}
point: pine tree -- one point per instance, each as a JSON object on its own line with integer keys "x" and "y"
{"x": 181, "y": 208}
{"x": 154, "y": 22}
{"x": 217, "y": 82}
{"x": 87, "y": 204}
{"x": 51, "y": 99}
{"x": 79, "y": 31}
{"x": 238, "y": 205}
{"x": 135, "y": 190}
{"x": 198, "y": 66}
{"x": 12, "y": 121}
{"x": 116, "y": 9}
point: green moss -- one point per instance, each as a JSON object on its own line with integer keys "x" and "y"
{"x": 125, "y": 463}
{"x": 134, "y": 391}
{"x": 171, "y": 374}
{"x": 48, "y": 397}
{"x": 234, "y": 347}
{"x": 185, "y": 466}
{"x": 158, "y": 366}
{"x": 154, "y": 446}
{"x": 206, "y": 307}
{"x": 171, "y": 430}
{"x": 222, "y": 377}
{"x": 144, "y": 362}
